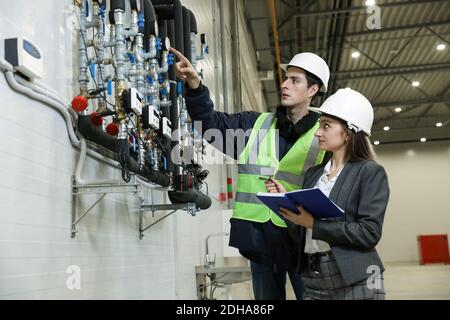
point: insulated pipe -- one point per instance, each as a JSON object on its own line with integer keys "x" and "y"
{"x": 64, "y": 113}
{"x": 225, "y": 80}
{"x": 187, "y": 34}
{"x": 96, "y": 135}
{"x": 193, "y": 38}
{"x": 150, "y": 23}
{"x": 55, "y": 105}
{"x": 172, "y": 9}
{"x": 79, "y": 169}
{"x": 49, "y": 94}
{"x": 193, "y": 21}
{"x": 173, "y": 97}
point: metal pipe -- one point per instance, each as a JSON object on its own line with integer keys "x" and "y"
{"x": 275, "y": 38}
{"x": 225, "y": 79}
{"x": 208, "y": 261}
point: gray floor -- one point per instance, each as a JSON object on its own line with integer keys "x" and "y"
{"x": 403, "y": 281}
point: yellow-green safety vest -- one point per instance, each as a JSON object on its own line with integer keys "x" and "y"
{"x": 260, "y": 159}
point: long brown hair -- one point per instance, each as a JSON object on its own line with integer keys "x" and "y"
{"x": 359, "y": 147}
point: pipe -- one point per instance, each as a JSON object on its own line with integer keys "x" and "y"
{"x": 235, "y": 49}
{"x": 29, "y": 92}
{"x": 95, "y": 135}
{"x": 47, "y": 92}
{"x": 64, "y": 113}
{"x": 273, "y": 13}
{"x": 172, "y": 9}
{"x": 193, "y": 37}
{"x": 61, "y": 110}
{"x": 225, "y": 80}
{"x": 79, "y": 168}
{"x": 5, "y": 65}
{"x": 201, "y": 200}
{"x": 187, "y": 34}
{"x": 150, "y": 23}
{"x": 83, "y": 78}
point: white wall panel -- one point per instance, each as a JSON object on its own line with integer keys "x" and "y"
{"x": 418, "y": 174}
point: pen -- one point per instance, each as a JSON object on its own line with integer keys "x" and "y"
{"x": 267, "y": 180}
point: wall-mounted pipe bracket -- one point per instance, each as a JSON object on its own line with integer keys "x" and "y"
{"x": 103, "y": 190}
{"x": 188, "y": 207}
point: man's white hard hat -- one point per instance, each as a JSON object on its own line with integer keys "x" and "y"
{"x": 312, "y": 63}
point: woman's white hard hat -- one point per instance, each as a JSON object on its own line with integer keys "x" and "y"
{"x": 352, "y": 107}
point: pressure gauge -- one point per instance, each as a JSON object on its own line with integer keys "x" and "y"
{"x": 166, "y": 44}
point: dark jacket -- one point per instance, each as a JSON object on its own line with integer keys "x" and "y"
{"x": 263, "y": 243}
{"x": 362, "y": 191}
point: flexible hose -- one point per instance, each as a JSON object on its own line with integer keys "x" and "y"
{"x": 79, "y": 169}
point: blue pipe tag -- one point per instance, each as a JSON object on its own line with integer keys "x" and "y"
{"x": 180, "y": 88}
{"x": 109, "y": 87}
{"x": 92, "y": 70}
{"x": 131, "y": 57}
{"x": 170, "y": 59}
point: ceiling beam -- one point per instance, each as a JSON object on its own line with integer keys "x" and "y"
{"x": 390, "y": 29}
{"x": 364, "y": 8}
{"x": 390, "y": 71}
{"x": 411, "y": 102}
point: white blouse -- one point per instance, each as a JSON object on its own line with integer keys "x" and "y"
{"x": 325, "y": 185}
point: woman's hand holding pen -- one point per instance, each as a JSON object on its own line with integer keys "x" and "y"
{"x": 274, "y": 186}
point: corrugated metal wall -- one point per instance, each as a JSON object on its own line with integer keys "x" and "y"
{"x": 36, "y": 164}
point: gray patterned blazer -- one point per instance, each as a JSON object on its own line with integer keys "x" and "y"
{"x": 362, "y": 191}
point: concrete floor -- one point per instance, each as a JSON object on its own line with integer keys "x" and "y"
{"x": 403, "y": 281}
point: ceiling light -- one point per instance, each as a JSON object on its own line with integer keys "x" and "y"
{"x": 386, "y": 128}
{"x": 370, "y": 3}
{"x": 423, "y": 140}
{"x": 376, "y": 143}
{"x": 415, "y": 84}
{"x": 398, "y": 110}
{"x": 356, "y": 54}
{"x": 440, "y": 47}
{"x": 439, "y": 124}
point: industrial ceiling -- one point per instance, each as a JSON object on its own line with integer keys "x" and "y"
{"x": 395, "y": 52}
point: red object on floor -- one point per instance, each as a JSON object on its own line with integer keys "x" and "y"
{"x": 434, "y": 249}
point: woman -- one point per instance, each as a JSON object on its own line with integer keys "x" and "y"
{"x": 338, "y": 259}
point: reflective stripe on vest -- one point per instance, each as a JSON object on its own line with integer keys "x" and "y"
{"x": 260, "y": 158}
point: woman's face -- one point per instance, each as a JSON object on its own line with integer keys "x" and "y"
{"x": 332, "y": 135}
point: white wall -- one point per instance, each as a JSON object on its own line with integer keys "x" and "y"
{"x": 419, "y": 176}
{"x": 36, "y": 164}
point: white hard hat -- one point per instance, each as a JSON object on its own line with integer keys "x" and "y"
{"x": 312, "y": 63}
{"x": 350, "y": 106}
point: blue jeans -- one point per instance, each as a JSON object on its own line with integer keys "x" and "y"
{"x": 270, "y": 284}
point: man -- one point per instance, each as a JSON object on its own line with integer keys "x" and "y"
{"x": 260, "y": 235}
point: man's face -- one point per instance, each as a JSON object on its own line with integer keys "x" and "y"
{"x": 294, "y": 89}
